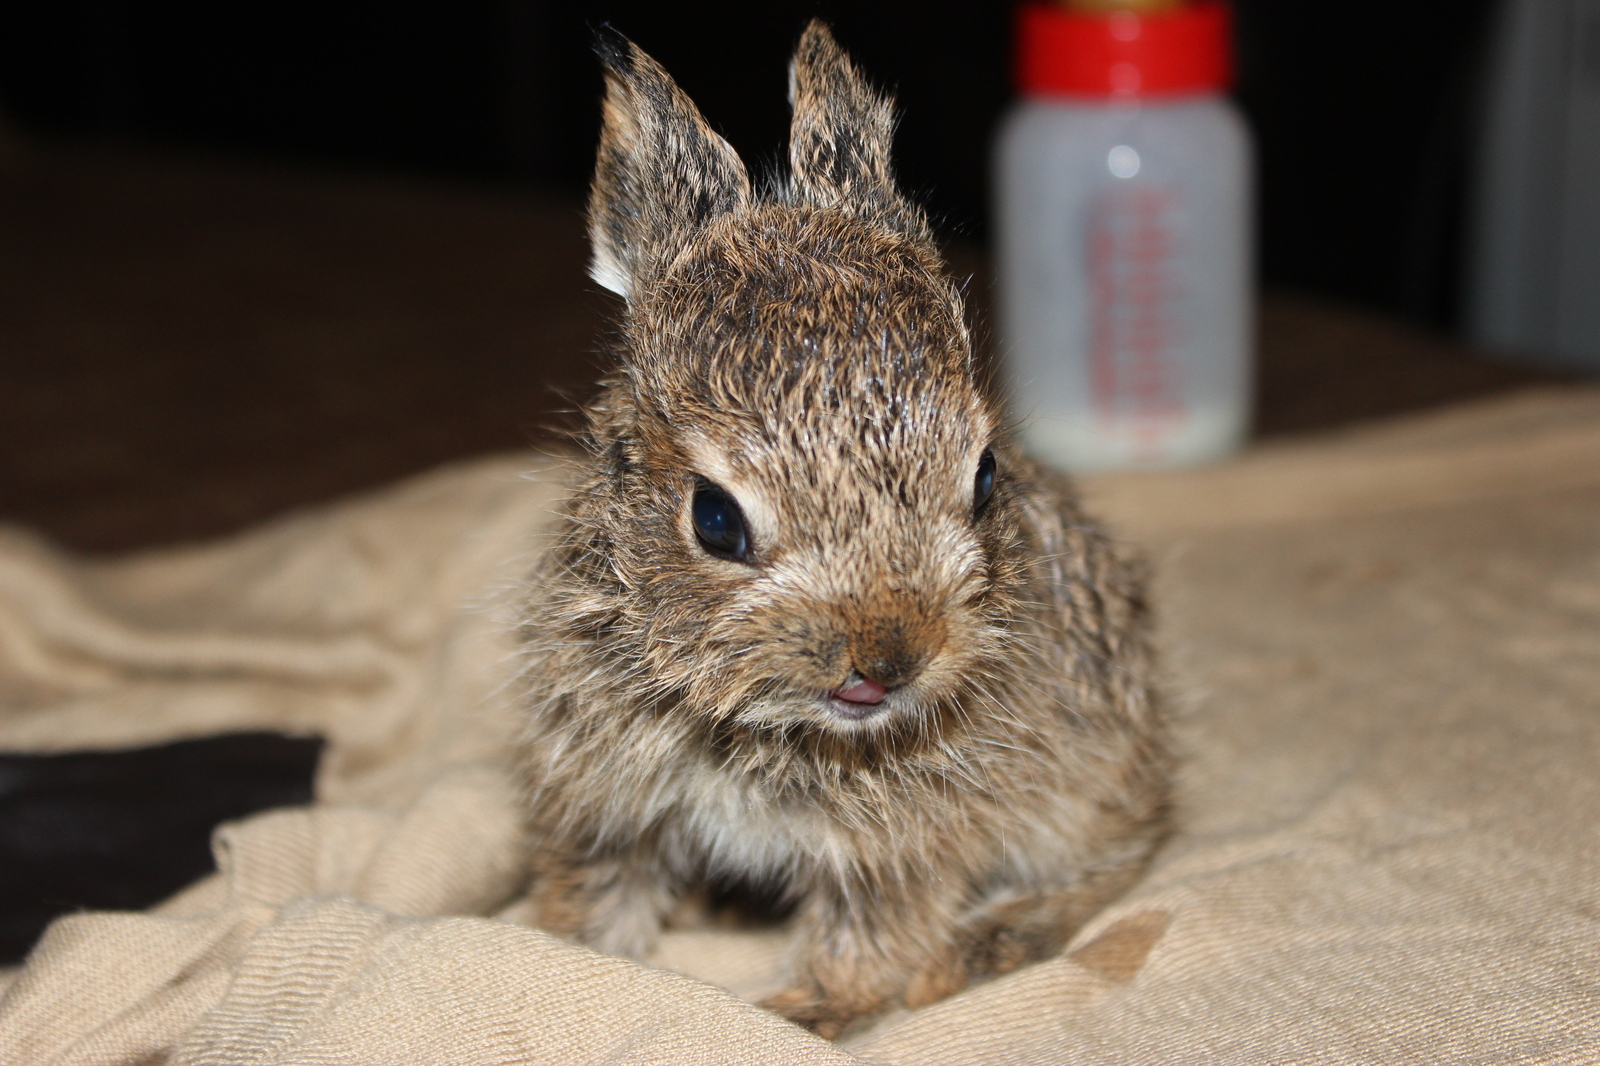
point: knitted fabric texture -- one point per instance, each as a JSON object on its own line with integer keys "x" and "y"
{"x": 1385, "y": 651}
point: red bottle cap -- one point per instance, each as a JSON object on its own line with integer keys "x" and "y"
{"x": 1122, "y": 54}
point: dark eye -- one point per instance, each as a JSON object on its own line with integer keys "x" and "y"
{"x": 983, "y": 483}
{"x": 718, "y": 522}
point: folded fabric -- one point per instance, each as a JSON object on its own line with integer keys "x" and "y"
{"x": 1384, "y": 647}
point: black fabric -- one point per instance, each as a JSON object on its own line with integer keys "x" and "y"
{"x": 122, "y": 830}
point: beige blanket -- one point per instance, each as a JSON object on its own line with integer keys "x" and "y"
{"x": 1386, "y": 646}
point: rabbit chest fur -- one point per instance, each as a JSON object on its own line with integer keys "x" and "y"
{"x": 810, "y": 621}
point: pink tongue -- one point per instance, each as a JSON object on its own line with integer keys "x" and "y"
{"x": 864, "y": 691}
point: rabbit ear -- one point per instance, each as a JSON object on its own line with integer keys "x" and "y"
{"x": 661, "y": 172}
{"x": 840, "y": 135}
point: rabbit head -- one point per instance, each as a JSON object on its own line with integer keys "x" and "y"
{"x": 798, "y": 513}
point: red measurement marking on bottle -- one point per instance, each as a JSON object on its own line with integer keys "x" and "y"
{"x": 1134, "y": 380}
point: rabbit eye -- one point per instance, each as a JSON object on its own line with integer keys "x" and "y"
{"x": 983, "y": 483}
{"x": 718, "y": 522}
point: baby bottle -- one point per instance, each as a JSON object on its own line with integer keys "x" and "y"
{"x": 1123, "y": 236}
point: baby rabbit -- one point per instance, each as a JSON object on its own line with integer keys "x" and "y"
{"x": 811, "y": 622}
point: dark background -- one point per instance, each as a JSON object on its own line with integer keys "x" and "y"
{"x": 1362, "y": 109}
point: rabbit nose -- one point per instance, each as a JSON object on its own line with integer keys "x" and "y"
{"x": 891, "y": 670}
{"x": 894, "y": 653}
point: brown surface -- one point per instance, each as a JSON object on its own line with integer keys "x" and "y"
{"x": 188, "y": 346}
{"x": 192, "y": 346}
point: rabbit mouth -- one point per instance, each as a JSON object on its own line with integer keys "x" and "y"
{"x": 858, "y": 701}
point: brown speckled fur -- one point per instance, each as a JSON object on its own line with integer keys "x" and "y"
{"x": 806, "y": 351}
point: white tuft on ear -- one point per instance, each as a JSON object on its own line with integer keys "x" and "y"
{"x": 608, "y": 271}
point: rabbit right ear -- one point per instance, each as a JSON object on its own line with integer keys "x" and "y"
{"x": 661, "y": 173}
{"x": 840, "y": 135}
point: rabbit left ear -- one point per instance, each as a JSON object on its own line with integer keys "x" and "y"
{"x": 839, "y": 137}
{"x": 661, "y": 173}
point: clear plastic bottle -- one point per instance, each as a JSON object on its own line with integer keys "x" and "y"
{"x": 1124, "y": 234}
